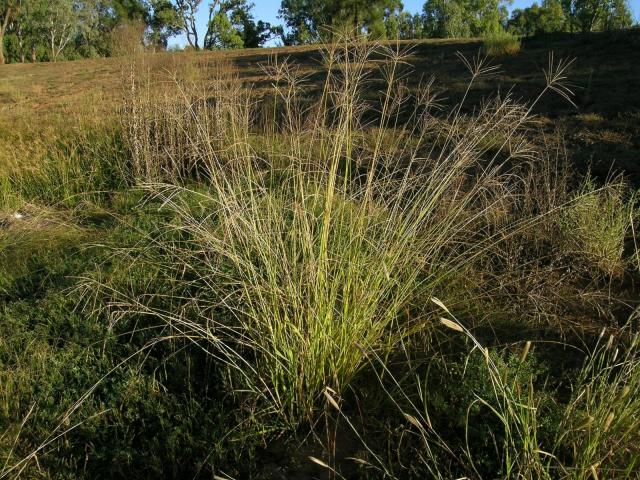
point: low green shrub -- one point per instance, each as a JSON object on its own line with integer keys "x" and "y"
{"x": 501, "y": 43}
{"x": 81, "y": 397}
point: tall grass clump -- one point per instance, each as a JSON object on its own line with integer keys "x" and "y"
{"x": 177, "y": 115}
{"x": 597, "y": 224}
{"x": 601, "y": 429}
{"x": 534, "y": 432}
{"x": 61, "y": 164}
{"x": 501, "y": 43}
{"x": 320, "y": 250}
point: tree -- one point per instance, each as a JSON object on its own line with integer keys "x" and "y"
{"x": 21, "y": 32}
{"x": 84, "y": 28}
{"x": 552, "y": 18}
{"x": 307, "y": 18}
{"x": 594, "y": 15}
{"x": 257, "y": 34}
{"x": 8, "y": 9}
{"x": 97, "y": 20}
{"x": 411, "y": 26}
{"x": 223, "y": 27}
{"x": 124, "y": 10}
{"x": 303, "y": 18}
{"x": 27, "y": 28}
{"x": 58, "y": 22}
{"x": 130, "y": 23}
{"x": 463, "y": 18}
{"x": 187, "y": 10}
{"x": 444, "y": 18}
{"x": 164, "y": 22}
{"x": 231, "y": 25}
{"x": 547, "y": 18}
{"x": 618, "y": 15}
{"x": 589, "y": 13}
{"x": 404, "y": 26}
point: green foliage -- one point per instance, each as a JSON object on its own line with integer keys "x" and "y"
{"x": 600, "y": 429}
{"x": 71, "y": 30}
{"x": 596, "y": 226}
{"x": 463, "y": 18}
{"x": 593, "y": 15}
{"x": 57, "y": 22}
{"x": 550, "y": 17}
{"x": 129, "y": 10}
{"x": 403, "y": 26}
{"x": 164, "y": 22}
{"x": 310, "y": 19}
{"x": 617, "y": 16}
{"x": 8, "y": 10}
{"x": 226, "y": 25}
{"x": 231, "y": 25}
{"x": 494, "y": 400}
{"x": 118, "y": 404}
{"x": 501, "y": 43}
{"x": 514, "y": 417}
{"x": 581, "y": 15}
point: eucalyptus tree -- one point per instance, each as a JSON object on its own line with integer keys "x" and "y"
{"x": 463, "y": 18}
{"x": 187, "y": 10}
{"x": 163, "y": 22}
{"x": 307, "y": 19}
{"x": 8, "y": 11}
{"x": 595, "y": 15}
{"x": 57, "y": 22}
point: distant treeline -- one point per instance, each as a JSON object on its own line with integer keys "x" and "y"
{"x": 49, "y": 30}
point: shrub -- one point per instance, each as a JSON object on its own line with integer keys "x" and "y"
{"x": 501, "y": 43}
{"x": 80, "y": 399}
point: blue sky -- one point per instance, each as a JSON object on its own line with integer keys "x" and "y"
{"x": 267, "y": 10}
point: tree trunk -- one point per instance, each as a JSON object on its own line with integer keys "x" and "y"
{"x": 20, "y": 43}
{"x": 33, "y": 54}
{"x": 3, "y": 29}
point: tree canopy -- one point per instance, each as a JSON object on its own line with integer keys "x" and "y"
{"x": 307, "y": 20}
{"x": 463, "y": 18}
{"x": 571, "y": 16}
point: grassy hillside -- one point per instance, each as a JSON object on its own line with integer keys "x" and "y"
{"x": 601, "y": 131}
{"x": 319, "y": 262}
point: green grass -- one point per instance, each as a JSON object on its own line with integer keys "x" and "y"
{"x": 501, "y": 43}
{"x": 238, "y": 283}
{"x": 55, "y": 353}
{"x": 597, "y": 225}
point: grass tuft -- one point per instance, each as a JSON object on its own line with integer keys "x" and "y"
{"x": 501, "y": 43}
